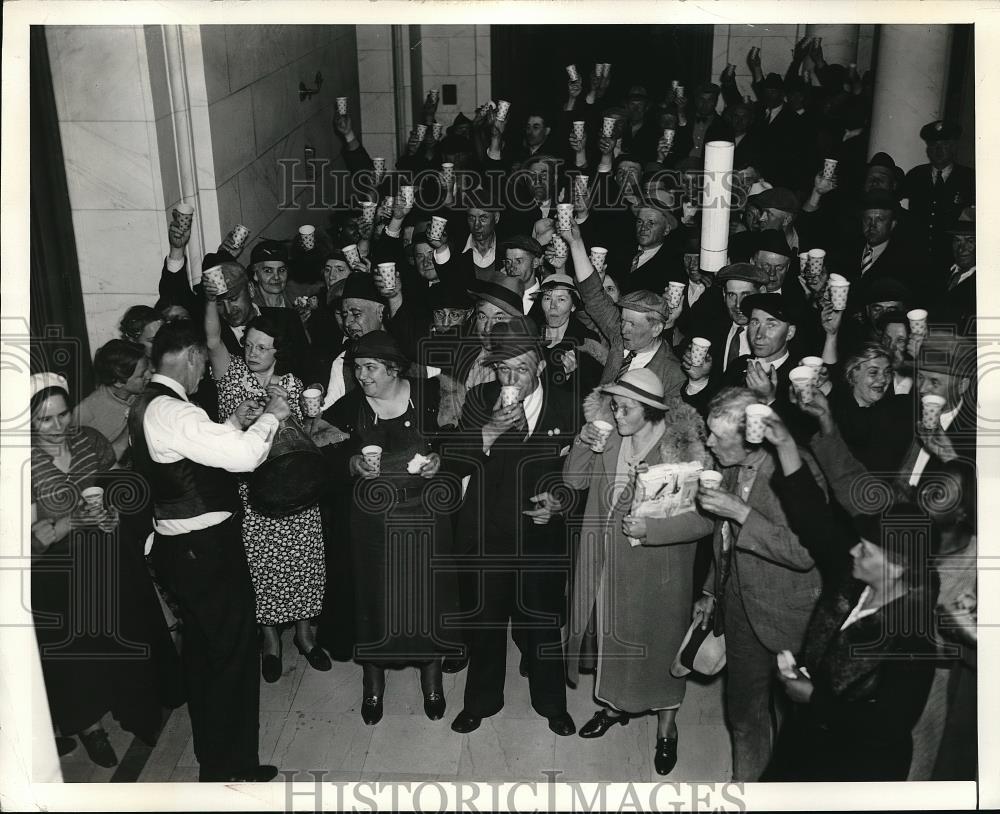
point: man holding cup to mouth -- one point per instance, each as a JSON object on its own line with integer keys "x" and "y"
{"x": 509, "y": 515}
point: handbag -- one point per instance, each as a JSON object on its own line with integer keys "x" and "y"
{"x": 702, "y": 651}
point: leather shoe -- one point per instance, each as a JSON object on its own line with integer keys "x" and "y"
{"x": 65, "y": 745}
{"x": 317, "y": 657}
{"x": 258, "y": 774}
{"x": 434, "y": 706}
{"x": 270, "y": 668}
{"x": 371, "y": 709}
{"x": 665, "y": 757}
{"x": 562, "y": 724}
{"x": 99, "y": 748}
{"x": 465, "y": 723}
{"x": 601, "y": 723}
{"x": 454, "y": 664}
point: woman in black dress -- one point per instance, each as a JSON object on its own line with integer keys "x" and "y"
{"x": 400, "y": 524}
{"x": 97, "y": 622}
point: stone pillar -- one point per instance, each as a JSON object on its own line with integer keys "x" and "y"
{"x": 911, "y": 78}
{"x": 840, "y": 42}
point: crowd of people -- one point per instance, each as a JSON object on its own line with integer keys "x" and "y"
{"x": 490, "y": 346}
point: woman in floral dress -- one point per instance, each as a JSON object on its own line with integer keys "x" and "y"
{"x": 285, "y": 554}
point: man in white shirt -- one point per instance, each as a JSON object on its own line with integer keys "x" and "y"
{"x": 477, "y": 260}
{"x": 198, "y": 551}
{"x": 363, "y": 311}
{"x": 522, "y": 258}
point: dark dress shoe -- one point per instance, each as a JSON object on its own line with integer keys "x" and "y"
{"x": 562, "y": 724}
{"x": 465, "y": 723}
{"x": 317, "y": 657}
{"x": 434, "y": 706}
{"x": 371, "y": 709}
{"x": 270, "y": 668}
{"x": 258, "y": 774}
{"x": 454, "y": 664}
{"x": 665, "y": 757}
{"x": 601, "y": 723}
{"x": 65, "y": 745}
{"x": 99, "y": 748}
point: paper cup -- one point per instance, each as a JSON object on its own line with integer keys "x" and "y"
{"x": 421, "y": 131}
{"x": 674, "y": 293}
{"x": 674, "y": 84}
{"x": 509, "y": 395}
{"x": 435, "y": 95}
{"x": 606, "y": 68}
{"x": 312, "y": 402}
{"x": 699, "y": 350}
{"x": 755, "y": 414}
{"x": 408, "y": 195}
{"x": 816, "y": 259}
{"x": 710, "y": 479}
{"x": 813, "y": 362}
{"x": 503, "y": 107}
{"x": 437, "y": 129}
{"x": 918, "y": 321}
{"x": 604, "y": 428}
{"x": 447, "y": 172}
{"x": 839, "y": 288}
{"x": 342, "y": 105}
{"x": 183, "y": 214}
{"x": 368, "y": 209}
{"x": 378, "y": 165}
{"x": 803, "y": 379}
{"x": 579, "y": 129}
{"x": 388, "y": 203}
{"x": 373, "y": 456}
{"x": 352, "y": 254}
{"x": 608, "y": 126}
{"x": 217, "y": 277}
{"x": 240, "y": 235}
{"x": 385, "y": 276}
{"x": 582, "y": 184}
{"x": 933, "y": 406}
{"x": 680, "y": 91}
{"x": 436, "y": 229}
{"x": 559, "y": 247}
{"x": 829, "y": 168}
{"x": 307, "y": 237}
{"x": 564, "y": 216}
{"x": 598, "y": 257}
{"x": 571, "y": 72}
{"x": 668, "y": 136}
{"x": 93, "y": 496}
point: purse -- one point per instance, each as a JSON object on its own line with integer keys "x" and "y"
{"x": 702, "y": 652}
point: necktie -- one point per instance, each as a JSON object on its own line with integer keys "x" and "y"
{"x": 635, "y": 260}
{"x": 625, "y": 363}
{"x": 733, "y": 352}
{"x": 867, "y": 258}
{"x": 937, "y": 177}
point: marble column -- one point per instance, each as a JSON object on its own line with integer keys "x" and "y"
{"x": 840, "y": 42}
{"x": 911, "y": 78}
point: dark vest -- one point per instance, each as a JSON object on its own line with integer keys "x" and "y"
{"x": 184, "y": 488}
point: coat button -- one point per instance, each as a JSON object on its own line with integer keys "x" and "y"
{"x": 556, "y": 431}
{"x": 550, "y": 432}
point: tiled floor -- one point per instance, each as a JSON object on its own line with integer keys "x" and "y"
{"x": 311, "y": 721}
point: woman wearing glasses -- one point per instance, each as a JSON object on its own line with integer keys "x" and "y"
{"x": 285, "y": 554}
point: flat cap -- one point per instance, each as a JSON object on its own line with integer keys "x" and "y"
{"x": 504, "y": 298}
{"x": 774, "y": 241}
{"x": 742, "y": 271}
{"x": 777, "y": 305}
{"x": 646, "y": 301}
{"x": 523, "y": 242}
{"x": 775, "y": 198}
{"x": 940, "y": 131}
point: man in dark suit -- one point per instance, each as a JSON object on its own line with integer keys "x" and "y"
{"x": 363, "y": 311}
{"x": 940, "y": 190}
{"x": 639, "y": 135}
{"x": 774, "y": 257}
{"x": 658, "y": 258}
{"x": 511, "y": 545}
{"x": 706, "y": 124}
{"x": 782, "y": 133}
{"x": 954, "y": 298}
{"x": 476, "y": 259}
{"x": 763, "y": 581}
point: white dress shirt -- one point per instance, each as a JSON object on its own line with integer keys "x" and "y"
{"x": 336, "y": 387}
{"x": 482, "y": 260}
{"x": 961, "y": 278}
{"x": 643, "y": 358}
{"x": 647, "y": 255}
{"x": 527, "y": 298}
{"x": 694, "y": 291}
{"x": 744, "y": 344}
{"x": 774, "y": 112}
{"x": 901, "y": 385}
{"x": 533, "y": 408}
{"x": 176, "y": 429}
{"x": 876, "y": 253}
{"x": 924, "y": 456}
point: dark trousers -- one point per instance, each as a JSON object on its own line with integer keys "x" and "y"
{"x": 532, "y": 602}
{"x": 207, "y": 572}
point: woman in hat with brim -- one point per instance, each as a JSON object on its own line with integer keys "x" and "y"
{"x": 574, "y": 355}
{"x": 89, "y": 672}
{"x": 868, "y": 655}
{"x": 399, "y": 522}
{"x": 635, "y": 598}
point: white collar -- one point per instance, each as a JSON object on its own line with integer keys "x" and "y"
{"x": 776, "y": 363}
{"x": 644, "y": 358}
{"x": 533, "y": 407}
{"x": 173, "y": 384}
{"x": 948, "y": 416}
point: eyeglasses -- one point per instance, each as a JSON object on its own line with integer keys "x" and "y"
{"x": 251, "y": 347}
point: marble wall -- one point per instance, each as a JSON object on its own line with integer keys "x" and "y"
{"x": 376, "y": 85}
{"x": 111, "y": 150}
{"x": 456, "y": 55}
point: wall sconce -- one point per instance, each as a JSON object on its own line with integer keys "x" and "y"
{"x": 308, "y": 93}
